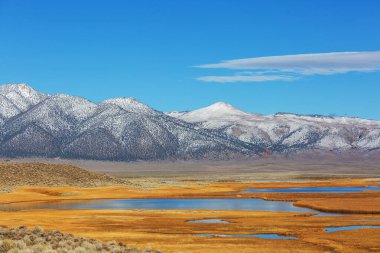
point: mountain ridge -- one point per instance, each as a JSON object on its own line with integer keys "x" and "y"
{"x": 37, "y": 124}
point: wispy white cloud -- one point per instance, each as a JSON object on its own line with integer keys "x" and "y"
{"x": 288, "y": 66}
{"x": 245, "y": 78}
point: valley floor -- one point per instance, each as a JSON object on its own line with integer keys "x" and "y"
{"x": 170, "y": 231}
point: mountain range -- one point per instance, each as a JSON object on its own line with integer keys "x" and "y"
{"x": 44, "y": 125}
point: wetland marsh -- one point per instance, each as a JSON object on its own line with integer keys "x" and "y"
{"x": 169, "y": 213}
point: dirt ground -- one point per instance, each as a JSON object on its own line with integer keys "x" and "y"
{"x": 264, "y": 169}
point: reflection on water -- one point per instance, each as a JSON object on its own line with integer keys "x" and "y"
{"x": 164, "y": 204}
{"x": 336, "y": 229}
{"x": 209, "y": 221}
{"x": 350, "y": 189}
{"x": 262, "y": 236}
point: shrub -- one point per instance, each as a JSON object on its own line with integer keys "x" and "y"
{"x": 20, "y": 244}
{"x": 80, "y": 250}
{"x": 6, "y": 245}
{"x": 36, "y": 240}
{"x": 37, "y": 230}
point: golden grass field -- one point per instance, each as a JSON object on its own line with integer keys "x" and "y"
{"x": 168, "y": 230}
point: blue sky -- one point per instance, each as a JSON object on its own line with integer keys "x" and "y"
{"x": 168, "y": 54}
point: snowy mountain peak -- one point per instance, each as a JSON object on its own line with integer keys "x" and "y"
{"x": 77, "y": 107}
{"x": 131, "y": 105}
{"x": 68, "y": 99}
{"x": 222, "y": 108}
{"x": 14, "y": 86}
{"x": 22, "y": 89}
{"x": 217, "y": 114}
{"x": 20, "y": 96}
{"x": 221, "y": 104}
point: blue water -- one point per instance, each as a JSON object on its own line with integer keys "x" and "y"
{"x": 164, "y": 204}
{"x": 336, "y": 229}
{"x": 350, "y": 189}
{"x": 275, "y": 236}
{"x": 209, "y": 221}
{"x": 261, "y": 236}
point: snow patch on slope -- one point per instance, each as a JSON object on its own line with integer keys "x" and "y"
{"x": 130, "y": 105}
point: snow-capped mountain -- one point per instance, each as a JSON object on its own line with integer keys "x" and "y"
{"x": 287, "y": 132}
{"x": 37, "y": 124}
{"x": 213, "y": 116}
{"x": 115, "y": 129}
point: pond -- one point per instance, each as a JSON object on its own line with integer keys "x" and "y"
{"x": 261, "y": 236}
{"x": 163, "y": 204}
{"x": 209, "y": 221}
{"x": 346, "y": 189}
{"x": 336, "y": 229}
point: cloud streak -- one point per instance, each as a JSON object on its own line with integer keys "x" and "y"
{"x": 286, "y": 67}
{"x": 245, "y": 78}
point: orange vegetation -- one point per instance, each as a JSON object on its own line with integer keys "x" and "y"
{"x": 169, "y": 231}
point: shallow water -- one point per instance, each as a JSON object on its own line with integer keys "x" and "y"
{"x": 209, "y": 221}
{"x": 336, "y": 229}
{"x": 164, "y": 204}
{"x": 349, "y": 189}
{"x": 261, "y": 236}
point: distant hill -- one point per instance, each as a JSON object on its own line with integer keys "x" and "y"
{"x": 14, "y": 175}
{"x": 43, "y": 125}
